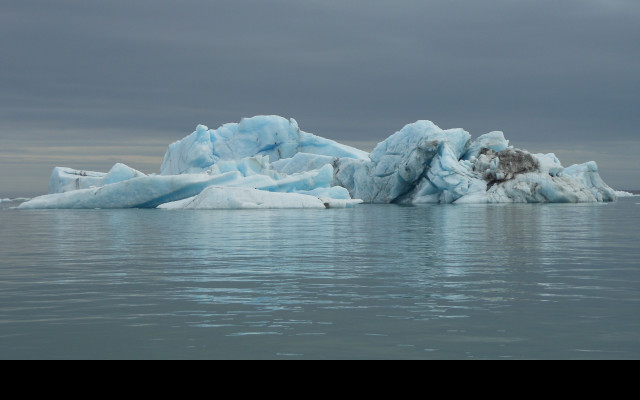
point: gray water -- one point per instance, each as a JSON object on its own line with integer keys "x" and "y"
{"x": 506, "y": 281}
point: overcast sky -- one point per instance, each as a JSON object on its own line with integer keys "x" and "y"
{"x": 86, "y": 84}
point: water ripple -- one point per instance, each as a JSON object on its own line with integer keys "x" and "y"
{"x": 517, "y": 281}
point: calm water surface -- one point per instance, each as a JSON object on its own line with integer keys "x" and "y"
{"x": 506, "y": 281}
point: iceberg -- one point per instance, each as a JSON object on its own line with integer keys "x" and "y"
{"x": 68, "y": 179}
{"x": 398, "y": 164}
{"x": 222, "y": 197}
{"x": 272, "y": 136}
{"x": 424, "y": 164}
{"x": 225, "y": 197}
{"x": 143, "y": 192}
{"x": 17, "y": 199}
{"x": 268, "y": 162}
{"x": 153, "y": 191}
{"x": 623, "y": 193}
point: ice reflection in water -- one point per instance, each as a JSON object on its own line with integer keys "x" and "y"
{"x": 524, "y": 281}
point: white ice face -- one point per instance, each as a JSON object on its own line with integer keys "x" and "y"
{"x": 225, "y": 197}
{"x": 265, "y": 155}
{"x": 67, "y": 179}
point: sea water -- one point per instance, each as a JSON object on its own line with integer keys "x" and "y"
{"x": 377, "y": 281}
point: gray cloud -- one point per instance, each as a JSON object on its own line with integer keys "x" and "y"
{"x": 551, "y": 73}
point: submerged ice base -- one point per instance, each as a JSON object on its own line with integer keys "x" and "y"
{"x": 268, "y": 162}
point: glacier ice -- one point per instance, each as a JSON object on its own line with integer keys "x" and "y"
{"x": 67, "y": 179}
{"x": 268, "y": 162}
{"x": 399, "y": 163}
{"x": 16, "y": 200}
{"x": 224, "y": 197}
{"x": 272, "y": 135}
{"x": 622, "y": 193}
{"x": 142, "y": 192}
{"x": 491, "y": 141}
{"x": 152, "y": 191}
{"x": 425, "y": 164}
{"x": 302, "y": 162}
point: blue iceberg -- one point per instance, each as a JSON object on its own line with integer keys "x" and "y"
{"x": 268, "y": 162}
{"x": 272, "y": 136}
